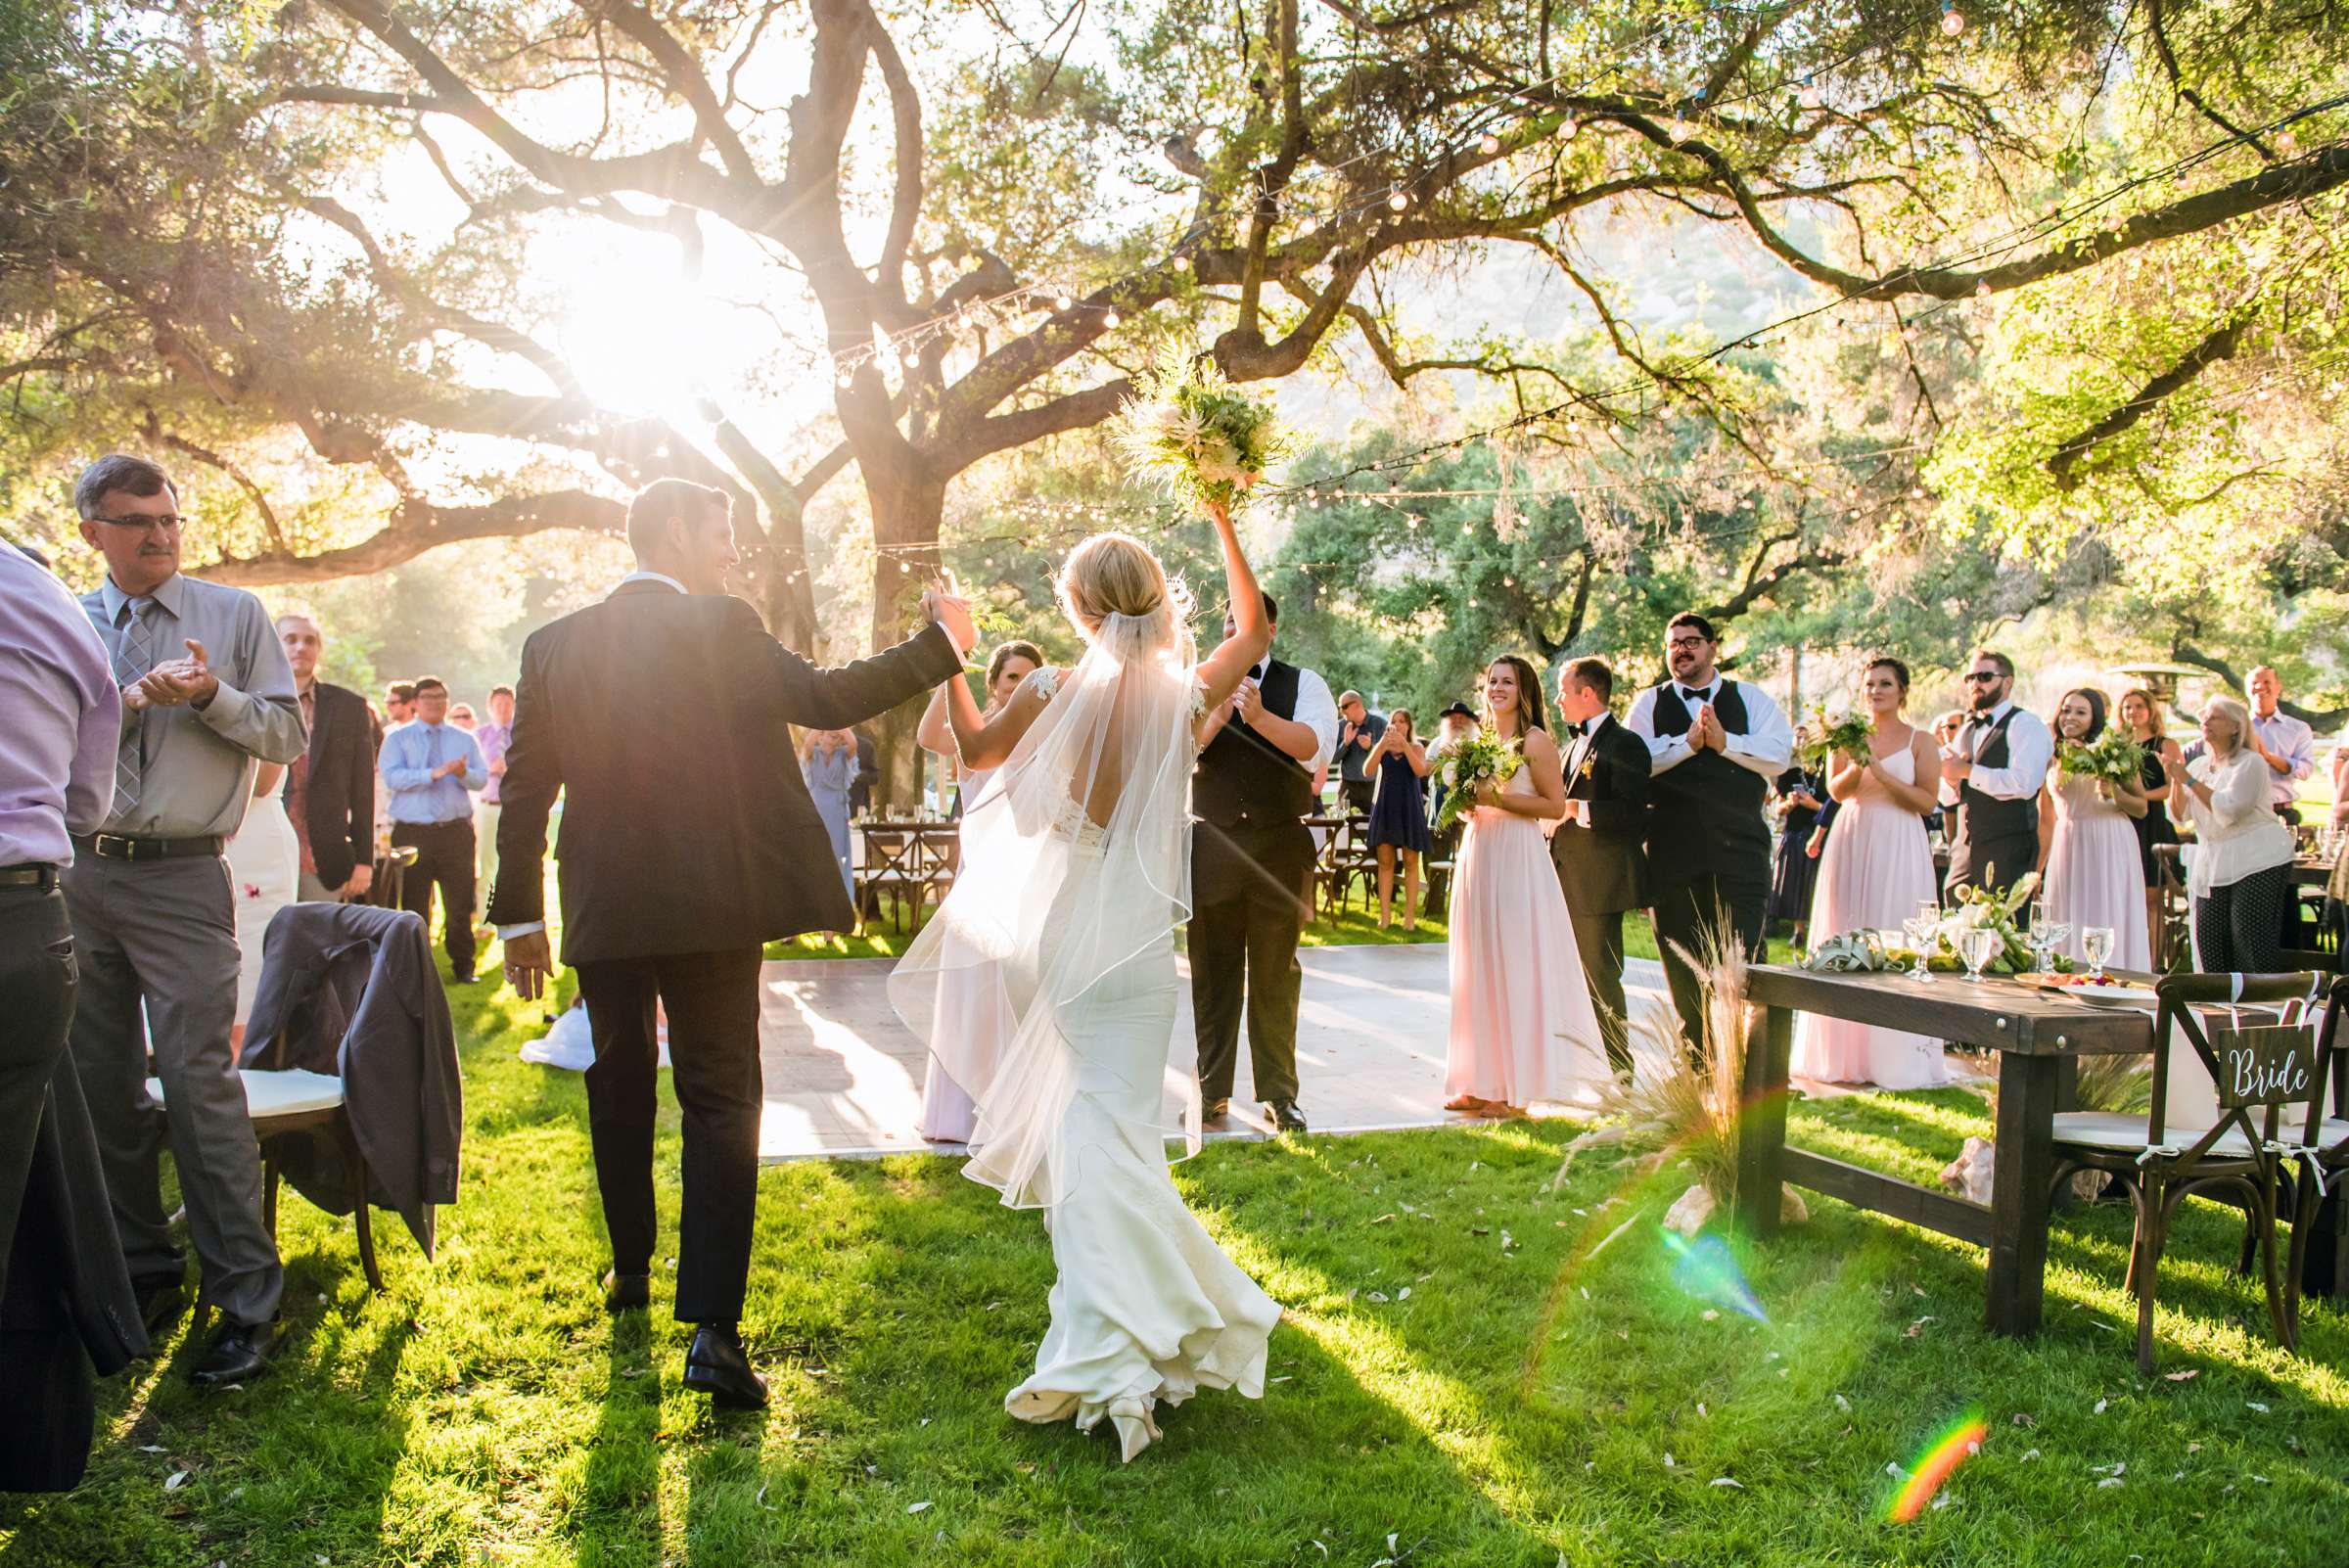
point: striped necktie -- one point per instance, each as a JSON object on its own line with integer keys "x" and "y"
{"x": 134, "y": 657}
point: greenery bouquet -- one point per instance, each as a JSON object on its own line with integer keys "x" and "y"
{"x": 1831, "y": 733}
{"x": 1995, "y": 908}
{"x": 1191, "y": 430}
{"x": 1468, "y": 765}
{"x": 2112, "y": 756}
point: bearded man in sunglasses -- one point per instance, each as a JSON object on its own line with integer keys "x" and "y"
{"x": 1995, "y": 764}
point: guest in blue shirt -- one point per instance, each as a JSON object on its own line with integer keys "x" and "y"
{"x": 433, "y": 770}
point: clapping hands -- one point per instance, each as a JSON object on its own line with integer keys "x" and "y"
{"x": 175, "y": 681}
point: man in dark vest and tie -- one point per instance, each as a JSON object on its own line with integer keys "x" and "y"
{"x": 1252, "y": 856}
{"x": 1997, "y": 763}
{"x": 1716, "y": 744}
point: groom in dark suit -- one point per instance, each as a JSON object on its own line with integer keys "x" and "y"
{"x": 688, "y": 843}
{"x": 1600, "y": 848}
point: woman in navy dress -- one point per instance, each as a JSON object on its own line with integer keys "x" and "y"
{"x": 1399, "y": 816}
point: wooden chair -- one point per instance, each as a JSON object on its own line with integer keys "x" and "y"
{"x": 2322, "y": 1155}
{"x": 280, "y": 1101}
{"x": 2264, "y": 1068}
{"x": 1349, "y": 861}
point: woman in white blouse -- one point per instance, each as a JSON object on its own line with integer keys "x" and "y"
{"x": 2243, "y": 860}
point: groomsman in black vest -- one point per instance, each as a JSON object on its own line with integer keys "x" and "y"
{"x": 1600, "y": 847}
{"x": 1716, "y": 745}
{"x": 1252, "y": 856}
{"x": 1996, "y": 765}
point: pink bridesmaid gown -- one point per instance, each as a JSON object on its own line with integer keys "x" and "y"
{"x": 1523, "y": 1028}
{"x": 1877, "y": 867}
{"x": 2096, "y": 875}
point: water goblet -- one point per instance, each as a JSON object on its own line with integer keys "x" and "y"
{"x": 1977, "y": 946}
{"x": 1919, "y": 928}
{"x": 2096, "y": 943}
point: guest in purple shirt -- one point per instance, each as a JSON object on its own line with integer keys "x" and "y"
{"x": 492, "y": 738}
{"x": 64, "y": 720}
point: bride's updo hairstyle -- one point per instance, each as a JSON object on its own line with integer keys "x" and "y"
{"x": 1118, "y": 575}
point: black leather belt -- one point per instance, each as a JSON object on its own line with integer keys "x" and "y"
{"x": 115, "y": 847}
{"x": 43, "y": 877}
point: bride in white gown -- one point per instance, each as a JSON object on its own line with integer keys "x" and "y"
{"x": 1076, "y": 869}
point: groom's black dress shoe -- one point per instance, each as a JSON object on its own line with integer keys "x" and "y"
{"x": 716, "y": 1366}
{"x": 1216, "y": 1111}
{"x": 237, "y": 1354}
{"x": 1286, "y": 1118}
{"x": 626, "y": 1293}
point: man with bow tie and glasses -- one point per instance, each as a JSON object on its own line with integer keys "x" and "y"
{"x": 1714, "y": 745}
{"x": 1995, "y": 764}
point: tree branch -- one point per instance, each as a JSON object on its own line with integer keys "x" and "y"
{"x": 418, "y": 527}
{"x": 2064, "y": 463}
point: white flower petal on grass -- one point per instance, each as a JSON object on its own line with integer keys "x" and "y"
{"x": 2108, "y": 1481}
{"x": 151, "y": 1447}
{"x": 1729, "y": 1481}
{"x": 2100, "y": 1404}
{"x": 916, "y": 1508}
{"x": 2186, "y": 1376}
{"x": 2028, "y": 1457}
{"x": 2254, "y": 1404}
{"x": 178, "y": 1479}
{"x": 1669, "y": 1463}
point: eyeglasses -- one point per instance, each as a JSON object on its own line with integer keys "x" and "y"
{"x": 1982, "y": 677}
{"x": 165, "y": 521}
{"x": 1688, "y": 642}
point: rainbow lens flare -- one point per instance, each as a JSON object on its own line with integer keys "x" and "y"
{"x": 1707, "y": 1269}
{"x": 1951, "y": 1448}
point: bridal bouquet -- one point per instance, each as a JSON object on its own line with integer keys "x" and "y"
{"x": 1831, "y": 734}
{"x": 1190, "y": 431}
{"x": 1468, "y": 765}
{"x": 2112, "y": 756}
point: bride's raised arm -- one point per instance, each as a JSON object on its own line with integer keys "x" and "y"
{"x": 1221, "y": 671}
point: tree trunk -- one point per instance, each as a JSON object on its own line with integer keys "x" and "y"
{"x": 908, "y": 507}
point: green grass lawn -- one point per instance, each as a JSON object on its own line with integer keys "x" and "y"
{"x": 1526, "y": 1404}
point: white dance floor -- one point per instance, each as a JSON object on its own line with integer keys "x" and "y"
{"x": 843, "y": 1078}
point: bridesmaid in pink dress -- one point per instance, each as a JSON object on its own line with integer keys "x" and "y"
{"x": 1876, "y": 869}
{"x": 1523, "y": 1028}
{"x": 2096, "y": 870}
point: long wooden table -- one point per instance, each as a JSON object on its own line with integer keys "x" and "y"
{"x": 2039, "y": 1038}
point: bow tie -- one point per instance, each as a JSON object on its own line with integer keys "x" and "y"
{"x": 1688, "y": 696}
{"x": 1580, "y": 728}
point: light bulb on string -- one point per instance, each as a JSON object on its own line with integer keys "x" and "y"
{"x": 2287, "y": 143}
{"x": 1401, "y": 201}
{"x": 1953, "y": 21}
{"x": 1183, "y": 263}
{"x": 1061, "y": 302}
{"x": 1488, "y": 144}
{"x": 1111, "y": 319}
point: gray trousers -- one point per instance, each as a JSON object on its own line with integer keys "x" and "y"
{"x": 164, "y": 932}
{"x": 313, "y": 891}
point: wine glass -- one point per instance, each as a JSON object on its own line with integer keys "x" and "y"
{"x": 2096, "y": 943}
{"x": 1977, "y": 946}
{"x": 1919, "y": 928}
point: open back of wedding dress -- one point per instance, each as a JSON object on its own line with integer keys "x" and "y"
{"x": 1075, "y": 868}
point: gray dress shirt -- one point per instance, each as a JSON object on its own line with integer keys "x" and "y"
{"x": 197, "y": 772}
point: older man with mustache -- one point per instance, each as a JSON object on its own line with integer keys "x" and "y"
{"x": 154, "y": 921}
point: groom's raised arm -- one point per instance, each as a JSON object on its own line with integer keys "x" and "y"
{"x": 815, "y": 698}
